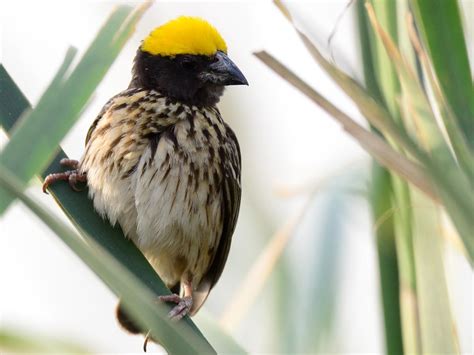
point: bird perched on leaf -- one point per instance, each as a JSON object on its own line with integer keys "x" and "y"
{"x": 160, "y": 160}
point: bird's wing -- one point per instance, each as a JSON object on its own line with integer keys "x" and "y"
{"x": 231, "y": 194}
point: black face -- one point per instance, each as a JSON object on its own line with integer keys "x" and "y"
{"x": 193, "y": 79}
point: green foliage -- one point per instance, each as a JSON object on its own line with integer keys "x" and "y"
{"x": 435, "y": 170}
{"x": 440, "y": 24}
{"x": 64, "y": 100}
{"x": 381, "y": 196}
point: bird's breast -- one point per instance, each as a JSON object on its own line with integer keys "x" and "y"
{"x": 157, "y": 168}
{"x": 178, "y": 186}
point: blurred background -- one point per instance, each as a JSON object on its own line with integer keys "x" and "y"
{"x": 305, "y": 186}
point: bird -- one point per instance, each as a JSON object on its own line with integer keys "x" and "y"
{"x": 161, "y": 162}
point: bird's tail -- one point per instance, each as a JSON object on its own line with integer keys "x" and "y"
{"x": 127, "y": 321}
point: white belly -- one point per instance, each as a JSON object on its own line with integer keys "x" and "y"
{"x": 178, "y": 204}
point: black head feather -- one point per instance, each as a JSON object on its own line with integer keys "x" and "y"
{"x": 192, "y": 79}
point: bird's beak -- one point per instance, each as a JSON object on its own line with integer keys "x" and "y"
{"x": 223, "y": 71}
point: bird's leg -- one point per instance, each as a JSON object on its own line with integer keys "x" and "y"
{"x": 183, "y": 304}
{"x": 182, "y": 308}
{"x": 72, "y": 176}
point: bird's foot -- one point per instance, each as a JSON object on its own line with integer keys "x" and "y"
{"x": 182, "y": 308}
{"x": 71, "y": 176}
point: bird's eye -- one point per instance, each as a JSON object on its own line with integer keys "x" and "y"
{"x": 188, "y": 64}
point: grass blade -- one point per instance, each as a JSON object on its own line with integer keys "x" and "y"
{"x": 418, "y": 106}
{"x": 376, "y": 114}
{"x": 440, "y": 25}
{"x": 381, "y": 195}
{"x": 438, "y": 334}
{"x": 383, "y": 210}
{"x": 389, "y": 79}
{"x": 63, "y": 102}
{"x": 403, "y": 218}
{"x": 425, "y": 307}
{"x": 12, "y": 101}
{"x": 450, "y": 177}
{"x": 372, "y": 143}
{"x": 11, "y": 155}
{"x": 454, "y": 132}
{"x": 451, "y": 184}
{"x": 384, "y": 71}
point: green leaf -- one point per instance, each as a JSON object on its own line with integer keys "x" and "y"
{"x": 366, "y": 49}
{"x": 438, "y": 333}
{"x": 440, "y": 24}
{"x": 425, "y": 309}
{"x": 415, "y": 104}
{"x": 454, "y": 188}
{"x": 374, "y": 112}
{"x": 457, "y": 138}
{"x": 64, "y": 100}
{"x": 383, "y": 210}
{"x": 371, "y": 142}
{"x": 384, "y": 71}
{"x": 403, "y": 217}
{"x": 451, "y": 186}
{"x": 381, "y": 195}
{"x": 12, "y": 101}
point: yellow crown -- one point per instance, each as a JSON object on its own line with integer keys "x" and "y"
{"x": 184, "y": 35}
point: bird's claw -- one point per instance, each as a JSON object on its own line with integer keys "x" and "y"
{"x": 71, "y": 176}
{"x": 74, "y": 178}
{"x": 182, "y": 308}
{"x": 145, "y": 343}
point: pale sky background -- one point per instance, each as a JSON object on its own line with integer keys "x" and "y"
{"x": 286, "y": 142}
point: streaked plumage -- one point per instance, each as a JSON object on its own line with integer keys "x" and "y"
{"x": 169, "y": 174}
